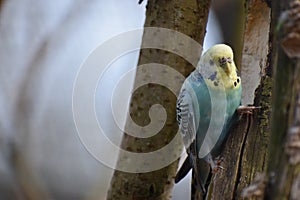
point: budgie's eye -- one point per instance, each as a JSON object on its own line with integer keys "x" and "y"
{"x": 222, "y": 61}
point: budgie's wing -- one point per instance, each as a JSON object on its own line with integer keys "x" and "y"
{"x": 186, "y": 118}
{"x": 187, "y": 125}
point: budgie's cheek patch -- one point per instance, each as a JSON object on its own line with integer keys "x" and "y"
{"x": 213, "y": 76}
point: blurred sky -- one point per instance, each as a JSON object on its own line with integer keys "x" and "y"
{"x": 42, "y": 45}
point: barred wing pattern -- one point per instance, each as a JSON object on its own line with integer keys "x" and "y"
{"x": 186, "y": 118}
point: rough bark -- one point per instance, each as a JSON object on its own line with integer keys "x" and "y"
{"x": 188, "y": 17}
{"x": 284, "y": 159}
{"x": 245, "y": 151}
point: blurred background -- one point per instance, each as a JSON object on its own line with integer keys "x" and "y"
{"x": 42, "y": 46}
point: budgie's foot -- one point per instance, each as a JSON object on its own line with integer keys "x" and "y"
{"x": 215, "y": 164}
{"x": 247, "y": 109}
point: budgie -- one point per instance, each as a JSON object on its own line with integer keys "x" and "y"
{"x": 206, "y": 108}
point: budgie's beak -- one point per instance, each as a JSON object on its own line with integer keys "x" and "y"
{"x": 226, "y": 64}
{"x": 227, "y": 68}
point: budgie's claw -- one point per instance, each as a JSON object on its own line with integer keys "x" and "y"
{"x": 247, "y": 109}
{"x": 216, "y": 164}
{"x": 216, "y": 168}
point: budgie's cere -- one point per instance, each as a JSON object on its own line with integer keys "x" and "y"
{"x": 213, "y": 89}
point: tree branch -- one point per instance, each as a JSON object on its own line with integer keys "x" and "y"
{"x": 185, "y": 17}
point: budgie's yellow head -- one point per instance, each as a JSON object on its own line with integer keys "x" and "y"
{"x": 220, "y": 67}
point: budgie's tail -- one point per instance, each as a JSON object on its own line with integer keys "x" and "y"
{"x": 185, "y": 168}
{"x": 187, "y": 165}
{"x": 201, "y": 171}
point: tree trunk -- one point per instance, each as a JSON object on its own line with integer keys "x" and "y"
{"x": 284, "y": 157}
{"x": 188, "y": 17}
{"x": 273, "y": 150}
